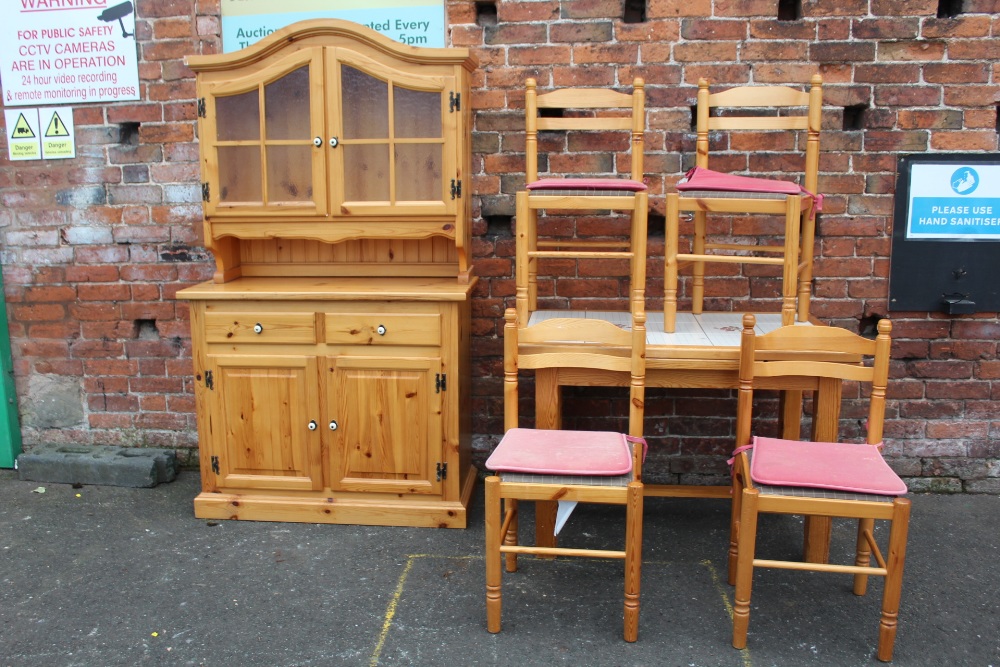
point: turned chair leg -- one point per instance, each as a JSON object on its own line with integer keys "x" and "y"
{"x": 734, "y": 524}
{"x": 698, "y": 270}
{"x": 633, "y": 560}
{"x": 863, "y": 554}
{"x": 894, "y": 560}
{"x": 744, "y": 567}
{"x": 672, "y": 239}
{"x": 510, "y": 537}
{"x": 493, "y": 575}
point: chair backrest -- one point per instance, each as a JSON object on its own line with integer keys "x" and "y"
{"x": 575, "y": 343}
{"x": 763, "y": 108}
{"x": 831, "y": 354}
{"x": 585, "y": 109}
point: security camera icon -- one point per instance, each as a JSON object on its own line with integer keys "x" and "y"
{"x": 118, "y": 12}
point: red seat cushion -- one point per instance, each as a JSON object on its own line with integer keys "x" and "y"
{"x": 836, "y": 466}
{"x": 546, "y": 452}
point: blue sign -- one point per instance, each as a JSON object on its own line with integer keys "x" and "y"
{"x": 949, "y": 202}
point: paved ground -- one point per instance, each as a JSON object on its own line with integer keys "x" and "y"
{"x": 104, "y": 576}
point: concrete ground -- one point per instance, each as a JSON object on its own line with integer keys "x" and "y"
{"x": 103, "y": 576}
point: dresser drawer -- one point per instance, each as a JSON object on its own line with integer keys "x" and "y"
{"x": 232, "y": 327}
{"x": 383, "y": 329}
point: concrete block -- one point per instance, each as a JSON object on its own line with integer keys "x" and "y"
{"x": 98, "y": 464}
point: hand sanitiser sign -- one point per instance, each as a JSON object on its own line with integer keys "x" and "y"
{"x": 954, "y": 201}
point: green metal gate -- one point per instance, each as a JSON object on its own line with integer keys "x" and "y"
{"x": 10, "y": 424}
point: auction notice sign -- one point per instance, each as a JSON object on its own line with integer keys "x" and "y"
{"x": 68, "y": 52}
{"x": 413, "y": 22}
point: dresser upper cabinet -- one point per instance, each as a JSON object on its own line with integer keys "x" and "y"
{"x": 329, "y": 122}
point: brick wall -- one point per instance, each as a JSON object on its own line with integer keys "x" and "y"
{"x": 95, "y": 248}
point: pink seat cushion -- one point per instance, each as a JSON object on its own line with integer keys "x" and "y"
{"x": 587, "y": 184}
{"x": 823, "y": 465}
{"x": 546, "y": 452}
{"x": 700, "y": 178}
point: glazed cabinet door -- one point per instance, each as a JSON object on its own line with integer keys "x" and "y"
{"x": 265, "y": 413}
{"x": 385, "y": 422}
{"x": 397, "y": 139}
{"x": 264, "y": 141}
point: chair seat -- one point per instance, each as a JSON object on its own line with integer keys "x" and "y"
{"x": 586, "y": 187}
{"x": 616, "y": 481}
{"x": 818, "y": 469}
{"x": 562, "y": 453}
{"x": 732, "y": 194}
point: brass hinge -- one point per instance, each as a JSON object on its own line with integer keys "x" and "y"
{"x": 440, "y": 382}
{"x": 456, "y": 189}
{"x": 442, "y": 471}
{"x": 454, "y": 101}
{"x": 209, "y": 380}
{"x": 215, "y": 464}
{"x": 205, "y": 192}
{"x": 201, "y": 107}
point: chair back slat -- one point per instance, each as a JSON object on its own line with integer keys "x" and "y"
{"x": 815, "y": 352}
{"x": 575, "y": 343}
{"x": 584, "y": 98}
{"x": 573, "y": 100}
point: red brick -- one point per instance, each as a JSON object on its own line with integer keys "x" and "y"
{"x": 509, "y": 12}
{"x": 539, "y": 55}
{"x": 820, "y": 8}
{"x": 695, "y": 29}
{"x": 887, "y": 28}
{"x": 983, "y": 140}
{"x": 902, "y": 7}
{"x": 38, "y": 313}
{"x": 960, "y": 26}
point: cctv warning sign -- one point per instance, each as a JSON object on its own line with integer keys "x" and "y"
{"x": 68, "y": 52}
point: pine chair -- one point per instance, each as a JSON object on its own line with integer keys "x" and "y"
{"x": 567, "y": 466}
{"x": 817, "y": 479}
{"x": 582, "y": 168}
{"x": 756, "y": 121}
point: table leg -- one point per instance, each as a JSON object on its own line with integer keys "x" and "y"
{"x": 825, "y": 428}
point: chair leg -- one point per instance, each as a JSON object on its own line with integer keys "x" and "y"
{"x": 734, "y": 521}
{"x": 670, "y": 263}
{"x": 744, "y": 567}
{"x": 790, "y": 273}
{"x": 510, "y": 537}
{"x": 808, "y": 239}
{"x": 698, "y": 273}
{"x": 863, "y": 554}
{"x": 494, "y": 520}
{"x": 521, "y": 265}
{"x": 895, "y": 558}
{"x": 637, "y": 274}
{"x": 633, "y": 560}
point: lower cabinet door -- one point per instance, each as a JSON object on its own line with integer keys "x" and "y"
{"x": 265, "y": 422}
{"x": 385, "y": 423}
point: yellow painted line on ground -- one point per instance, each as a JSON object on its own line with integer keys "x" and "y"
{"x": 723, "y": 592}
{"x": 390, "y": 610}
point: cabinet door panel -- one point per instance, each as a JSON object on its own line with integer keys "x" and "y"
{"x": 397, "y": 136}
{"x": 259, "y": 140}
{"x": 387, "y": 413}
{"x": 261, "y": 408}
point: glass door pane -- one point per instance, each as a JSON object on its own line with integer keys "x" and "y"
{"x": 237, "y": 122}
{"x": 418, "y": 146}
{"x": 364, "y": 104}
{"x": 289, "y": 144}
